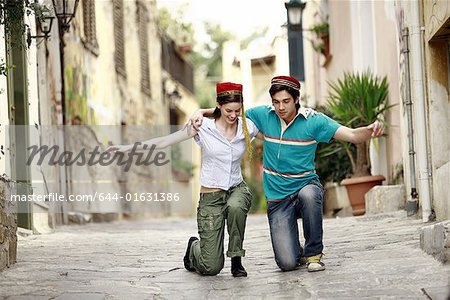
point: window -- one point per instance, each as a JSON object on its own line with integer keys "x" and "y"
{"x": 142, "y": 19}
{"x": 90, "y": 33}
{"x": 119, "y": 40}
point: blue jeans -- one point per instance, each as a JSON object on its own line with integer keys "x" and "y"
{"x": 307, "y": 203}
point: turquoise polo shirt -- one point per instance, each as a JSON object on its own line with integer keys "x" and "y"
{"x": 289, "y": 150}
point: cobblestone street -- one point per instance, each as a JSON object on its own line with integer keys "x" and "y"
{"x": 366, "y": 257}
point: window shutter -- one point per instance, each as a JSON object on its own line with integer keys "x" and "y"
{"x": 90, "y": 32}
{"x": 119, "y": 42}
{"x": 143, "y": 47}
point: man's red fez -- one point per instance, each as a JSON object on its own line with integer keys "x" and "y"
{"x": 228, "y": 88}
{"x": 286, "y": 81}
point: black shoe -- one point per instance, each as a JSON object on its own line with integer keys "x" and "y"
{"x": 187, "y": 263}
{"x": 236, "y": 267}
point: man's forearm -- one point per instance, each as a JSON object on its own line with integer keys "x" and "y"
{"x": 207, "y": 112}
{"x": 361, "y": 134}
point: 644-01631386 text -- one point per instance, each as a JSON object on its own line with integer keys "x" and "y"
{"x": 101, "y": 197}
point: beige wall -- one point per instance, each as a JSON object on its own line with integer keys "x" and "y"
{"x": 386, "y": 63}
{"x": 340, "y": 41}
{"x": 436, "y": 16}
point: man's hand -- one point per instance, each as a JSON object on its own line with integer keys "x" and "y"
{"x": 377, "y": 129}
{"x": 360, "y": 134}
{"x": 196, "y": 119}
{"x": 310, "y": 112}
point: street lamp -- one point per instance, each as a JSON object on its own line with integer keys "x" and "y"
{"x": 45, "y": 24}
{"x": 65, "y": 11}
{"x": 295, "y": 38}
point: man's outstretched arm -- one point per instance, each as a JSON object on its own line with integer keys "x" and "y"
{"x": 360, "y": 134}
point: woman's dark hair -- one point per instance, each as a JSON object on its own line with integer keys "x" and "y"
{"x": 224, "y": 100}
{"x": 293, "y": 92}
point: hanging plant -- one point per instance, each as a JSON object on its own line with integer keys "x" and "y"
{"x": 321, "y": 31}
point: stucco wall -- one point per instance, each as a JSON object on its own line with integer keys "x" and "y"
{"x": 436, "y": 16}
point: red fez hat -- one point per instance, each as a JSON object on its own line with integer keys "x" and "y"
{"x": 228, "y": 88}
{"x": 286, "y": 81}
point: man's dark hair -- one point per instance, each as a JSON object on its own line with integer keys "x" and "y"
{"x": 293, "y": 92}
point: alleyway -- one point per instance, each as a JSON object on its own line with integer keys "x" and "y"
{"x": 366, "y": 257}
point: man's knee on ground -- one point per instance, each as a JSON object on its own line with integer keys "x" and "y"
{"x": 287, "y": 264}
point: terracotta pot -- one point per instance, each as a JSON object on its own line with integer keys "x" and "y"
{"x": 357, "y": 188}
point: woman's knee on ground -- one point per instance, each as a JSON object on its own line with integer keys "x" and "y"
{"x": 211, "y": 268}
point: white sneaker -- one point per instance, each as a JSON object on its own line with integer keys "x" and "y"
{"x": 314, "y": 263}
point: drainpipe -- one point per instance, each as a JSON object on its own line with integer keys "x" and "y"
{"x": 412, "y": 203}
{"x": 419, "y": 101}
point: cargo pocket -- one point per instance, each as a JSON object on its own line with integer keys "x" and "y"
{"x": 210, "y": 230}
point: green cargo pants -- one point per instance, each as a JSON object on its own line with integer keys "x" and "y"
{"x": 206, "y": 255}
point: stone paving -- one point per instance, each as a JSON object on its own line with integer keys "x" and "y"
{"x": 374, "y": 257}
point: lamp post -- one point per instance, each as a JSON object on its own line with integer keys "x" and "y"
{"x": 295, "y": 38}
{"x": 65, "y": 11}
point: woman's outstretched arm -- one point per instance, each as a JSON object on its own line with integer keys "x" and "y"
{"x": 159, "y": 142}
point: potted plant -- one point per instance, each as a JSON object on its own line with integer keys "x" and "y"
{"x": 359, "y": 99}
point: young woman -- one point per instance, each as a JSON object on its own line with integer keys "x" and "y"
{"x": 224, "y": 196}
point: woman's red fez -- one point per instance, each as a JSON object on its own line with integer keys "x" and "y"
{"x": 228, "y": 88}
{"x": 286, "y": 81}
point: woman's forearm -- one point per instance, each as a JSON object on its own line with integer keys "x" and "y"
{"x": 174, "y": 138}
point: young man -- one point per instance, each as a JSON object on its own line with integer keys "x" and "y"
{"x": 291, "y": 186}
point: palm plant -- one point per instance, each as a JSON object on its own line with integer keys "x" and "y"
{"x": 359, "y": 99}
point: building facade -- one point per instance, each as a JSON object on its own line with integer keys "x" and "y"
{"x": 100, "y": 82}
